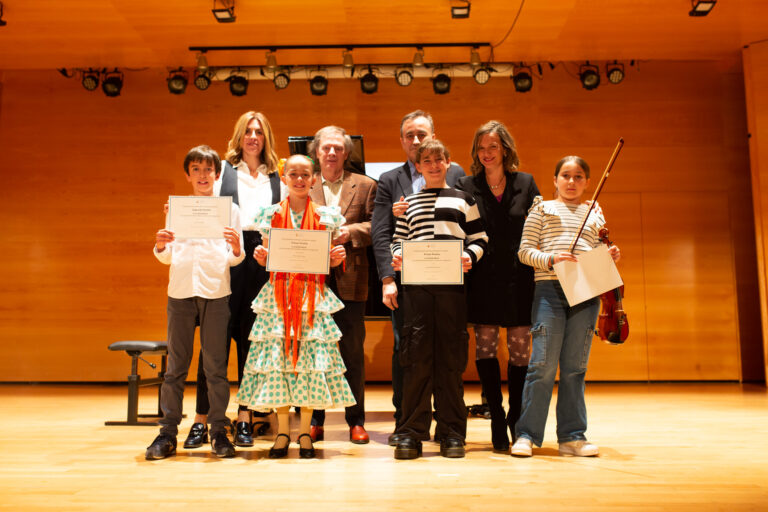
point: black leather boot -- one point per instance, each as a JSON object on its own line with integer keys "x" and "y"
{"x": 515, "y": 385}
{"x": 490, "y": 379}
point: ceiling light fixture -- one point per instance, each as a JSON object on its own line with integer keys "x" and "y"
{"x": 112, "y": 83}
{"x": 701, "y": 7}
{"x": 523, "y": 79}
{"x": 589, "y": 76}
{"x": 474, "y": 58}
{"x": 177, "y": 81}
{"x": 482, "y": 75}
{"x": 404, "y": 77}
{"x": 460, "y": 11}
{"x": 202, "y": 80}
{"x": 226, "y": 12}
{"x": 418, "y": 57}
{"x": 318, "y": 85}
{"x": 271, "y": 61}
{"x": 202, "y": 63}
{"x": 347, "y": 56}
{"x": 90, "y": 80}
{"x": 281, "y": 80}
{"x": 441, "y": 83}
{"x": 369, "y": 83}
{"x": 238, "y": 84}
{"x": 615, "y": 72}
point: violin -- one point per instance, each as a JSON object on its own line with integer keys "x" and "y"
{"x": 612, "y": 324}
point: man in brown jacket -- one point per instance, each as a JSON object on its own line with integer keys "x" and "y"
{"x": 354, "y": 193}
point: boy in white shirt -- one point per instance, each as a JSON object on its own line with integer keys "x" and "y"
{"x": 198, "y": 294}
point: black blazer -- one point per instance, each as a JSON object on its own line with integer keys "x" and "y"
{"x": 393, "y": 185}
{"x": 499, "y": 287}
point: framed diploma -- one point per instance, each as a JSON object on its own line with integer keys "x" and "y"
{"x": 594, "y": 274}
{"x": 305, "y": 251}
{"x": 199, "y": 216}
{"x": 432, "y": 262}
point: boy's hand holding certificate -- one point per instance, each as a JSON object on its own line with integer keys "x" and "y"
{"x": 199, "y": 216}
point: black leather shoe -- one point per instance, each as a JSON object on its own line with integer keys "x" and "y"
{"x": 452, "y": 448}
{"x": 279, "y": 453}
{"x": 221, "y": 446}
{"x": 243, "y": 435}
{"x": 408, "y": 448}
{"x": 306, "y": 453}
{"x": 163, "y": 446}
{"x": 198, "y": 435}
{"x": 393, "y": 439}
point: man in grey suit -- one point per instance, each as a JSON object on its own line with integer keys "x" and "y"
{"x": 394, "y": 185}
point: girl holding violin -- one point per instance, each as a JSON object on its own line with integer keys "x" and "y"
{"x": 561, "y": 334}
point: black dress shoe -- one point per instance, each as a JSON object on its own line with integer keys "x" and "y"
{"x": 198, "y": 435}
{"x": 243, "y": 435}
{"x": 163, "y": 446}
{"x": 408, "y": 448}
{"x": 306, "y": 453}
{"x": 279, "y": 453}
{"x": 393, "y": 439}
{"x": 221, "y": 446}
{"x": 452, "y": 448}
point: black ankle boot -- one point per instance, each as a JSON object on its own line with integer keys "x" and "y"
{"x": 515, "y": 385}
{"x": 490, "y": 379}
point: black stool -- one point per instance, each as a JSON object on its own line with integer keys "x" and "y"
{"x": 135, "y": 349}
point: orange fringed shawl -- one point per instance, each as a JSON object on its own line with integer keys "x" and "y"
{"x": 290, "y": 298}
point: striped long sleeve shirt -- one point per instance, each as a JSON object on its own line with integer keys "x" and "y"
{"x": 550, "y": 228}
{"x": 442, "y": 214}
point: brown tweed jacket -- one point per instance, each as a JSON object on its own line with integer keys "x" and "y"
{"x": 356, "y": 202}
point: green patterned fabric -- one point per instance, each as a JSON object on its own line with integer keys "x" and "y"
{"x": 317, "y": 381}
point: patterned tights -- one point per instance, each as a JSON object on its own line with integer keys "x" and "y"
{"x": 518, "y": 343}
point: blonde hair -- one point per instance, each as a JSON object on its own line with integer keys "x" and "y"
{"x": 234, "y": 154}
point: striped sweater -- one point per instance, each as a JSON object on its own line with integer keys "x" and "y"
{"x": 442, "y": 214}
{"x": 551, "y": 227}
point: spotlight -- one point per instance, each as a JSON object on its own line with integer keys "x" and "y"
{"x": 112, "y": 83}
{"x": 404, "y": 77}
{"x": 523, "y": 79}
{"x": 701, "y": 7}
{"x": 369, "y": 83}
{"x": 281, "y": 81}
{"x": 90, "y": 80}
{"x": 225, "y": 13}
{"x": 615, "y": 72}
{"x": 238, "y": 85}
{"x": 2, "y": 21}
{"x": 589, "y": 76}
{"x": 271, "y": 61}
{"x": 177, "y": 81}
{"x": 482, "y": 75}
{"x": 202, "y": 63}
{"x": 441, "y": 84}
{"x": 348, "y": 62}
{"x": 460, "y": 11}
{"x": 318, "y": 85}
{"x": 202, "y": 80}
{"x": 474, "y": 58}
{"x": 418, "y": 58}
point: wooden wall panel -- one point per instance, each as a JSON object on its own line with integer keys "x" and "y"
{"x": 86, "y": 178}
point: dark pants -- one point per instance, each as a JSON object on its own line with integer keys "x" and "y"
{"x": 433, "y": 354}
{"x": 351, "y": 322}
{"x": 183, "y": 316}
{"x": 246, "y": 280}
{"x": 397, "y": 370}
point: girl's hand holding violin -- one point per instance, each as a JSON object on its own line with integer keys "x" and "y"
{"x": 338, "y": 255}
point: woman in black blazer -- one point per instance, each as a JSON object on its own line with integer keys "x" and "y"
{"x": 499, "y": 287}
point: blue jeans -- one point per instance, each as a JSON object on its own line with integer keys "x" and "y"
{"x": 561, "y": 334}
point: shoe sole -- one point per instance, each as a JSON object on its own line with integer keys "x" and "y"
{"x": 571, "y": 454}
{"x": 192, "y": 446}
{"x": 407, "y": 454}
{"x": 149, "y": 456}
{"x": 452, "y": 453}
{"x": 243, "y": 443}
{"x": 359, "y": 441}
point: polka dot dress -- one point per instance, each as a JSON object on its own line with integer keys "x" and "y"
{"x": 269, "y": 379}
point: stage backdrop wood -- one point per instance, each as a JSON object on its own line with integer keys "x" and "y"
{"x": 87, "y": 176}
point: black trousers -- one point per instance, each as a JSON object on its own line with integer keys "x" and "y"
{"x": 433, "y": 355}
{"x": 246, "y": 280}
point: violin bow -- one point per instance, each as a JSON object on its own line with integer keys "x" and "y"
{"x": 607, "y": 171}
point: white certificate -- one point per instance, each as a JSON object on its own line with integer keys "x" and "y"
{"x": 199, "y": 216}
{"x": 304, "y": 251}
{"x": 432, "y": 262}
{"x": 595, "y": 273}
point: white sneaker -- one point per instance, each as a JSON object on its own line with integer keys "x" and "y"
{"x": 578, "y": 448}
{"x": 522, "y": 447}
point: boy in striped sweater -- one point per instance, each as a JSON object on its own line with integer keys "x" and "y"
{"x": 433, "y": 342}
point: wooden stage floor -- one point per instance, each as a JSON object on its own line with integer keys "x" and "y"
{"x": 663, "y": 447}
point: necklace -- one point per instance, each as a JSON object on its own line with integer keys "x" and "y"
{"x": 494, "y": 187}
